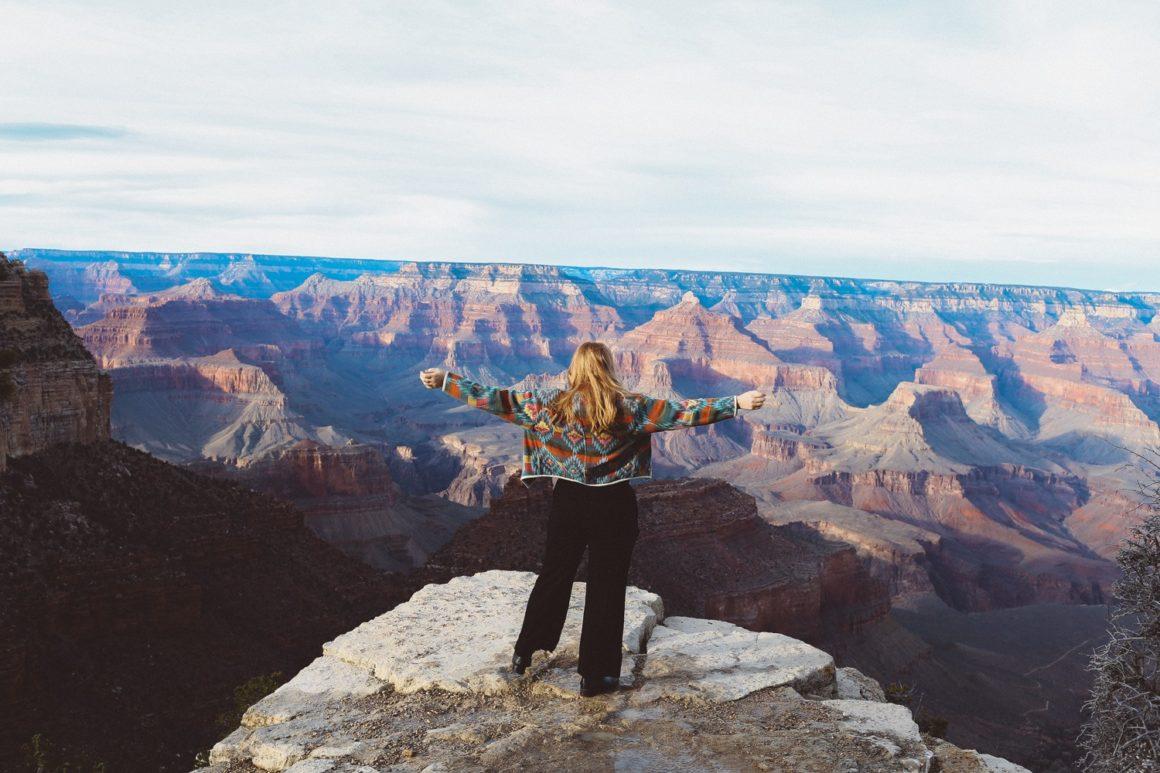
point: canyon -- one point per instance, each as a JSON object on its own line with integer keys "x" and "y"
{"x": 999, "y": 421}
{"x": 135, "y": 596}
{"x": 952, "y": 451}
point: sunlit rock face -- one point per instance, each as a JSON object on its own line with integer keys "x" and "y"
{"x": 185, "y": 321}
{"x": 51, "y": 391}
{"x": 426, "y": 687}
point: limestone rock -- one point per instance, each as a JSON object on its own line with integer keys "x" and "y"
{"x": 956, "y": 760}
{"x": 326, "y": 679}
{"x": 423, "y": 688}
{"x": 459, "y": 636}
{"x": 890, "y": 726}
{"x": 720, "y": 661}
{"x": 854, "y": 685}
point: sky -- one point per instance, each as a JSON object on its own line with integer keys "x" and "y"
{"x": 977, "y": 141}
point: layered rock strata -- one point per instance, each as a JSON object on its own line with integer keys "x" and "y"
{"x": 51, "y": 390}
{"x": 349, "y": 499}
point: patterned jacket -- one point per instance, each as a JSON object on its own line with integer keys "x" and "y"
{"x": 574, "y": 451}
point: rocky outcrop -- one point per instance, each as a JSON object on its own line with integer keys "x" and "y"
{"x": 1001, "y": 538}
{"x": 425, "y": 687}
{"x": 51, "y": 390}
{"x": 992, "y": 534}
{"x": 958, "y": 368}
{"x": 920, "y": 428}
{"x": 350, "y": 500}
{"x": 704, "y": 547}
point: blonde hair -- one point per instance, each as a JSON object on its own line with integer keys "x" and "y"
{"x": 592, "y": 375}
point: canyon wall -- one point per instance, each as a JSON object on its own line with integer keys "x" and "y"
{"x": 51, "y": 390}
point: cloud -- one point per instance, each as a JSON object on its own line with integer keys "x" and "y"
{"x": 991, "y": 140}
{"x": 52, "y": 132}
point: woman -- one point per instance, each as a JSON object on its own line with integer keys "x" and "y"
{"x": 592, "y": 438}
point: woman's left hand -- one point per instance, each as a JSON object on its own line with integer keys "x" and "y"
{"x": 751, "y": 401}
{"x": 432, "y": 378}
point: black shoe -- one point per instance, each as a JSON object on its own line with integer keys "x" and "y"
{"x": 520, "y": 663}
{"x": 598, "y": 685}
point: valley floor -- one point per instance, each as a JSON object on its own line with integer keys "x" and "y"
{"x": 1012, "y": 681}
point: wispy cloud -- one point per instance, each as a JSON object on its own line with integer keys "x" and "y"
{"x": 983, "y": 140}
{"x": 51, "y": 132}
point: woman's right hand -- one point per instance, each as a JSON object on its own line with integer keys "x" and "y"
{"x": 432, "y": 378}
{"x": 751, "y": 400}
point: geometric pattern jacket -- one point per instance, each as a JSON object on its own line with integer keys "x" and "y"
{"x": 574, "y": 451}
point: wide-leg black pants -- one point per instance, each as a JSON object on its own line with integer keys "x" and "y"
{"x": 602, "y": 519}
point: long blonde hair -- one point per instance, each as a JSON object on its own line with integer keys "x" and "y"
{"x": 592, "y": 376}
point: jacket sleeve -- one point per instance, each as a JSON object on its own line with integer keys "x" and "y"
{"x": 515, "y": 405}
{"x": 657, "y": 415}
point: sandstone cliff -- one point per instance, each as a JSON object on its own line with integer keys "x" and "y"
{"x": 50, "y": 388}
{"x": 424, "y": 687}
{"x": 190, "y": 320}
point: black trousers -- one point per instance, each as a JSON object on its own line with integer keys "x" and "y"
{"x": 602, "y": 519}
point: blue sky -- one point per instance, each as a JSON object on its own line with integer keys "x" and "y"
{"x": 1005, "y": 141}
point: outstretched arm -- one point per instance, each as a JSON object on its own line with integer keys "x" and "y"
{"x": 656, "y": 415}
{"x": 514, "y": 405}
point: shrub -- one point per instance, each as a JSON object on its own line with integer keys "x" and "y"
{"x": 43, "y": 756}
{"x": 247, "y": 694}
{"x": 901, "y": 693}
{"x": 905, "y": 694}
{"x": 1123, "y": 729}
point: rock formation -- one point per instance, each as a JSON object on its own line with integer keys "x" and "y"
{"x": 514, "y": 318}
{"x": 919, "y": 459}
{"x": 349, "y": 499}
{"x": 219, "y": 407}
{"x": 191, "y": 320}
{"x": 702, "y": 348}
{"x": 425, "y": 687}
{"x": 50, "y": 388}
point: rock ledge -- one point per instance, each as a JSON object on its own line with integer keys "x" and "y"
{"x": 424, "y": 687}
